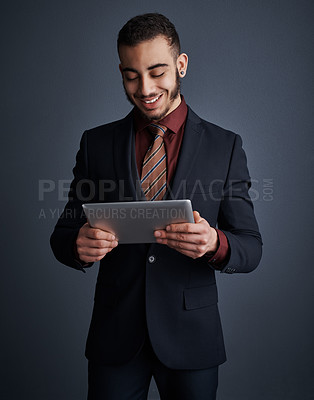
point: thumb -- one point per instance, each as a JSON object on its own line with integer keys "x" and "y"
{"x": 197, "y": 217}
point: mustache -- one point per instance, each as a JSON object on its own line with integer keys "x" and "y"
{"x": 142, "y": 97}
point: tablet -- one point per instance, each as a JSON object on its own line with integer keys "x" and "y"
{"x": 136, "y": 221}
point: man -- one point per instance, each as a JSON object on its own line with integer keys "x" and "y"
{"x": 155, "y": 311}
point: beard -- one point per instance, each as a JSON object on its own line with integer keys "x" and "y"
{"x": 173, "y": 95}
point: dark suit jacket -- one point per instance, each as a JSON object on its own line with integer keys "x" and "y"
{"x": 169, "y": 295}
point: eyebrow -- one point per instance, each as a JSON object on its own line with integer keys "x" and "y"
{"x": 149, "y": 68}
{"x": 157, "y": 66}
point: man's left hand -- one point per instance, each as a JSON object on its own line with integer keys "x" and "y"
{"x": 192, "y": 240}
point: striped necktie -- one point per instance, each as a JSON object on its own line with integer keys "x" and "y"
{"x": 154, "y": 169}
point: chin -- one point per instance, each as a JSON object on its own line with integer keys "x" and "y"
{"x": 154, "y": 115}
{"x": 157, "y": 114}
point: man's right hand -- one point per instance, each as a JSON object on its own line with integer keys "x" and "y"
{"x": 93, "y": 244}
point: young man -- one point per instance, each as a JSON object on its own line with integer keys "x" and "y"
{"x": 155, "y": 311}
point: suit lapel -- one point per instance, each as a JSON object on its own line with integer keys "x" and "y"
{"x": 123, "y": 150}
{"x": 125, "y": 159}
{"x": 189, "y": 150}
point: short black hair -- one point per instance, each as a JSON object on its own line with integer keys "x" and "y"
{"x": 147, "y": 27}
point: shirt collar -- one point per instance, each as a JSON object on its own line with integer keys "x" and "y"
{"x": 172, "y": 121}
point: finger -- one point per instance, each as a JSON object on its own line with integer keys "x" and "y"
{"x": 178, "y": 245}
{"x": 91, "y": 252}
{"x": 160, "y": 233}
{"x": 201, "y": 229}
{"x": 197, "y": 217}
{"x": 193, "y": 238}
{"x": 84, "y": 241}
{"x": 183, "y": 227}
{"x": 187, "y": 228}
{"x": 99, "y": 234}
{"x": 88, "y": 259}
{"x": 100, "y": 244}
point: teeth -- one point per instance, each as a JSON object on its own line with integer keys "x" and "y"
{"x": 152, "y": 101}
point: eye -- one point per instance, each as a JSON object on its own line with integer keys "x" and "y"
{"x": 157, "y": 76}
{"x": 131, "y": 77}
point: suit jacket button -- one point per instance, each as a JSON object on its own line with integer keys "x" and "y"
{"x": 151, "y": 259}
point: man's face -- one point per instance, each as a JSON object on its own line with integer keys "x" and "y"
{"x": 150, "y": 77}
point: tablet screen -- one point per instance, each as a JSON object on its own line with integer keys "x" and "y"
{"x": 135, "y": 222}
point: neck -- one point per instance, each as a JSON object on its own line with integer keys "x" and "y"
{"x": 175, "y": 105}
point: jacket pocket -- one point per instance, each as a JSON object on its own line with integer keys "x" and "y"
{"x": 200, "y": 297}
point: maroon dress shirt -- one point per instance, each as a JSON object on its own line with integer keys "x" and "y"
{"x": 175, "y": 123}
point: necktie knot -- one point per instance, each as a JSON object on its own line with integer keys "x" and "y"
{"x": 157, "y": 129}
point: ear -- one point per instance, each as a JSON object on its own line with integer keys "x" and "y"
{"x": 182, "y": 64}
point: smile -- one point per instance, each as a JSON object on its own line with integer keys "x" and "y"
{"x": 153, "y": 100}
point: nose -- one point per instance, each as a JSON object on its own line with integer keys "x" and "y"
{"x": 146, "y": 86}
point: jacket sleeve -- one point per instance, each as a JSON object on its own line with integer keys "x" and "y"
{"x": 63, "y": 238}
{"x": 236, "y": 216}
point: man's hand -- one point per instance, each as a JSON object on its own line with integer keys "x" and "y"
{"x": 93, "y": 244}
{"x": 193, "y": 240}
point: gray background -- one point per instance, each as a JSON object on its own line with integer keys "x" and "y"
{"x": 251, "y": 71}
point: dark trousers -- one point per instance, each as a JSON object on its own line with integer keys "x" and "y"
{"x": 131, "y": 381}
